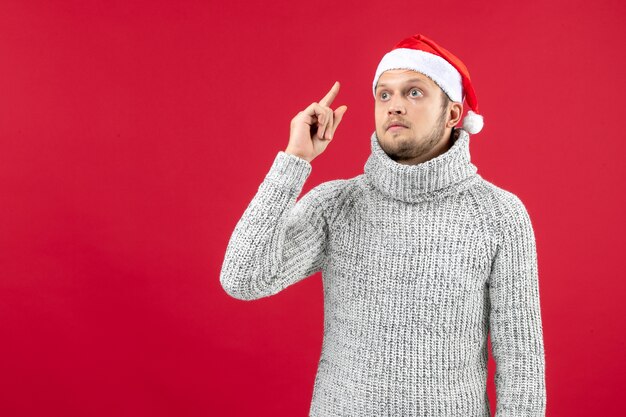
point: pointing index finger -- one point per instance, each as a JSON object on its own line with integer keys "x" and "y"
{"x": 330, "y": 96}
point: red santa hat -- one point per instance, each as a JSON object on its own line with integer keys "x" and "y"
{"x": 421, "y": 54}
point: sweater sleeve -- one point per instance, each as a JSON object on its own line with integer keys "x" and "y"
{"x": 277, "y": 241}
{"x": 515, "y": 319}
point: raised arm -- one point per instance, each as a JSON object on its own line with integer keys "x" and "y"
{"x": 278, "y": 241}
{"x": 515, "y": 318}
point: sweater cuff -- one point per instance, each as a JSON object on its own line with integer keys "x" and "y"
{"x": 289, "y": 171}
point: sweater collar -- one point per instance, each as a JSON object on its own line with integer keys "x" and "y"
{"x": 441, "y": 175}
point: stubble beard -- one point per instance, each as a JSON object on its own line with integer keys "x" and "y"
{"x": 412, "y": 148}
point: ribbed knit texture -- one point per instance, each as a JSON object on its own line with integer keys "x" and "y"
{"x": 419, "y": 263}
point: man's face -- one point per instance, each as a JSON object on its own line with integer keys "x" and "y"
{"x": 415, "y": 101}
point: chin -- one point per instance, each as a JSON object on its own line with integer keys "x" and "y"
{"x": 402, "y": 136}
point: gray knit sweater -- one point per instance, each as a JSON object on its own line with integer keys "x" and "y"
{"x": 419, "y": 263}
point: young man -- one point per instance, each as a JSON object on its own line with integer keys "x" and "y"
{"x": 420, "y": 256}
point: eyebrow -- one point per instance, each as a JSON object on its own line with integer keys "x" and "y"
{"x": 412, "y": 80}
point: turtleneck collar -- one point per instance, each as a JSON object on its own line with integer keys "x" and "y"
{"x": 442, "y": 175}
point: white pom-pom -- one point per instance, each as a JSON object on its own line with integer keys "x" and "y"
{"x": 473, "y": 123}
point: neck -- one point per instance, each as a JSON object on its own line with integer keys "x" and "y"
{"x": 440, "y": 175}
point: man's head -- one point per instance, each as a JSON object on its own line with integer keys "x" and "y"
{"x": 411, "y": 85}
{"x": 423, "y": 111}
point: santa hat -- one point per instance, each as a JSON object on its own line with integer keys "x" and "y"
{"x": 421, "y": 54}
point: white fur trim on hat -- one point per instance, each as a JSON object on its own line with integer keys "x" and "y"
{"x": 431, "y": 65}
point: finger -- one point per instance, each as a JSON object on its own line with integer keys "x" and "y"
{"x": 321, "y": 123}
{"x": 319, "y": 116}
{"x": 307, "y": 119}
{"x": 331, "y": 123}
{"x": 314, "y": 110}
{"x": 330, "y": 96}
{"x": 325, "y": 119}
{"x": 337, "y": 116}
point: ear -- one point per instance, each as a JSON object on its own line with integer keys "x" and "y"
{"x": 455, "y": 111}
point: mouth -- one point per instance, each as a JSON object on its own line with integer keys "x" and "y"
{"x": 396, "y": 126}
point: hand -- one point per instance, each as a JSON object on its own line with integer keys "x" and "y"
{"x": 313, "y": 128}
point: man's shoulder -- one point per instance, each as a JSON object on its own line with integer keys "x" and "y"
{"x": 333, "y": 192}
{"x": 501, "y": 206}
{"x": 498, "y": 197}
{"x": 334, "y": 199}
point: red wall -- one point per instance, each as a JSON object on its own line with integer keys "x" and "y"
{"x": 133, "y": 134}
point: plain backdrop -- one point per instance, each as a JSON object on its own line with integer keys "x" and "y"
{"x": 133, "y": 135}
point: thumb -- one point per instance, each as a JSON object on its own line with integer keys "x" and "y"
{"x": 339, "y": 114}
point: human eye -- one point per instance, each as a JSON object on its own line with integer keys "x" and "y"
{"x": 383, "y": 95}
{"x": 415, "y": 90}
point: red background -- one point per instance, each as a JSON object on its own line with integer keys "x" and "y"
{"x": 134, "y": 134}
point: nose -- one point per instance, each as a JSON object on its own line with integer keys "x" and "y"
{"x": 396, "y": 107}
